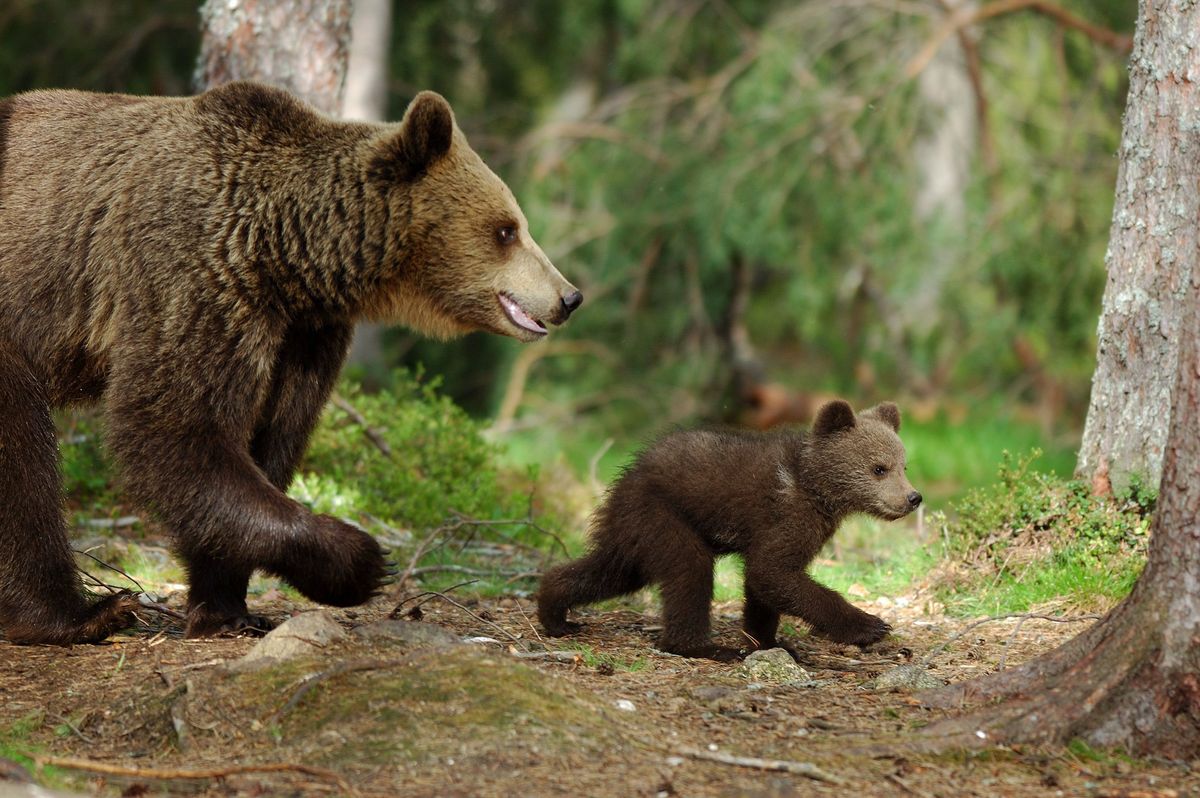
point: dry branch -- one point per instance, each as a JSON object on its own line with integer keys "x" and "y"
{"x": 1023, "y": 616}
{"x": 782, "y": 765}
{"x": 107, "y": 769}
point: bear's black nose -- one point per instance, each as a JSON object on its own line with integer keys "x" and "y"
{"x": 570, "y": 302}
{"x": 914, "y": 499}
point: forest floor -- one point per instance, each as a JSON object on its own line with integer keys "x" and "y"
{"x": 378, "y": 715}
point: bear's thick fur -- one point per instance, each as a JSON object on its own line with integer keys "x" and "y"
{"x": 197, "y": 264}
{"x": 775, "y": 498}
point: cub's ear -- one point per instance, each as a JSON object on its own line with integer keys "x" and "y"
{"x": 886, "y": 412}
{"x": 425, "y": 135}
{"x": 834, "y": 416}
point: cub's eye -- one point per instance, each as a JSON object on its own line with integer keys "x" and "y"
{"x": 879, "y": 470}
{"x": 506, "y": 235}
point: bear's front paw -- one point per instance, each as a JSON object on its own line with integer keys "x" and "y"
{"x": 336, "y": 564}
{"x": 863, "y": 629}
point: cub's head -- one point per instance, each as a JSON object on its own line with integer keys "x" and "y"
{"x": 860, "y": 461}
{"x": 458, "y": 255}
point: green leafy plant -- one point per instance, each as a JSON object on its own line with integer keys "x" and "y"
{"x": 436, "y": 461}
{"x": 1032, "y": 538}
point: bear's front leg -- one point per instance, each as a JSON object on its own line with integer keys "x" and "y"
{"x": 228, "y": 519}
{"x": 306, "y": 369}
{"x": 786, "y": 587}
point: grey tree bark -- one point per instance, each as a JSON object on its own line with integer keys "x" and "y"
{"x": 1133, "y": 680}
{"x": 298, "y": 45}
{"x": 1152, "y": 246}
{"x": 366, "y": 99}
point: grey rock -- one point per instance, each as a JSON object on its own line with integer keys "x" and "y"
{"x": 306, "y": 634}
{"x": 773, "y": 666}
{"x": 407, "y": 634}
{"x": 905, "y": 678}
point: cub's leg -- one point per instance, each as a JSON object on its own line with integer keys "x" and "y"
{"x": 778, "y": 580}
{"x": 41, "y": 597}
{"x": 182, "y": 455}
{"x": 682, "y": 565}
{"x": 605, "y": 573}
{"x": 760, "y": 621}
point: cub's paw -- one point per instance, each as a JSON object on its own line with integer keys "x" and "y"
{"x": 561, "y": 628}
{"x": 863, "y": 629}
{"x": 336, "y": 564}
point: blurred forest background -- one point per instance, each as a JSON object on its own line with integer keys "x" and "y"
{"x": 764, "y": 203}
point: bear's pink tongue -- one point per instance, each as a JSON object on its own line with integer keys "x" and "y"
{"x": 518, "y": 316}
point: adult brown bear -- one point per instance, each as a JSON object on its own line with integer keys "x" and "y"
{"x": 197, "y": 265}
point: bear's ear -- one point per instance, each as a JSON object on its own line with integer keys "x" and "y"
{"x": 834, "y": 416}
{"x": 886, "y": 412}
{"x": 425, "y": 135}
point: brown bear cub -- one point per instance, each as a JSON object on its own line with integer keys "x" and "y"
{"x": 196, "y": 265}
{"x": 775, "y": 498}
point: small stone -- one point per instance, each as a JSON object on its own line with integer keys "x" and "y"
{"x": 407, "y": 634}
{"x": 625, "y": 705}
{"x": 905, "y": 678}
{"x": 773, "y": 666}
{"x": 308, "y": 633}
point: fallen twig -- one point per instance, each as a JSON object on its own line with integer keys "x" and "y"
{"x": 112, "y": 568}
{"x": 1024, "y": 616}
{"x": 432, "y": 594}
{"x": 107, "y": 769}
{"x": 782, "y": 765}
{"x": 160, "y": 608}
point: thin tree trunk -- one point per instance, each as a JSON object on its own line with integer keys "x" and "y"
{"x": 366, "y": 99}
{"x": 1133, "y": 680}
{"x": 1153, "y": 242}
{"x": 298, "y": 45}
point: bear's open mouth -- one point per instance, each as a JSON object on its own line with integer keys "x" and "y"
{"x": 517, "y": 315}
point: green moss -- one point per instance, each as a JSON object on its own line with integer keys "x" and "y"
{"x": 455, "y": 702}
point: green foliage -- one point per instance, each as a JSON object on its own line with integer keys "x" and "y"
{"x": 607, "y": 661}
{"x": 88, "y": 480}
{"x": 440, "y": 463}
{"x": 1032, "y": 538}
{"x": 132, "y": 46}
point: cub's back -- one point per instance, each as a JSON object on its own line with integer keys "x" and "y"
{"x": 723, "y": 482}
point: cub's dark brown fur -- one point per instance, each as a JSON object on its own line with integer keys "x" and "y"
{"x": 775, "y": 498}
{"x": 197, "y": 265}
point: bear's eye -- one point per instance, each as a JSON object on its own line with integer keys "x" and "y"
{"x": 879, "y": 470}
{"x": 506, "y": 234}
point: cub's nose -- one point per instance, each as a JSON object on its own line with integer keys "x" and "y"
{"x": 570, "y": 302}
{"x": 914, "y": 499}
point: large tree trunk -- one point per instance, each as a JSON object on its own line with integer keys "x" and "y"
{"x": 1152, "y": 244}
{"x": 1133, "y": 680}
{"x": 298, "y": 45}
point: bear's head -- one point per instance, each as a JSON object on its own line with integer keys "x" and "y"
{"x": 458, "y": 252}
{"x": 859, "y": 462}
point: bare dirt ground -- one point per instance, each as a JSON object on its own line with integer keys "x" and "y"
{"x": 506, "y": 717}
